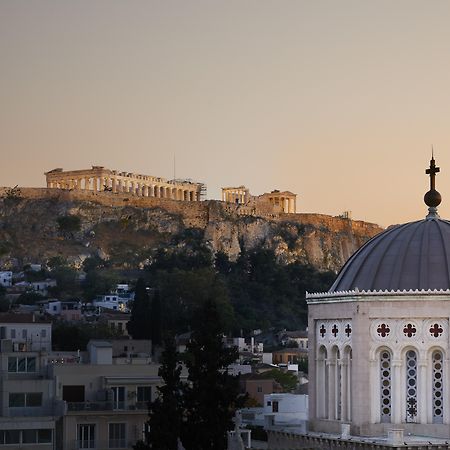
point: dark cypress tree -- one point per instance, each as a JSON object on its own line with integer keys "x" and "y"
{"x": 166, "y": 411}
{"x": 139, "y": 325}
{"x": 211, "y": 395}
{"x": 156, "y": 320}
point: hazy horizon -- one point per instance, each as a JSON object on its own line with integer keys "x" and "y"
{"x": 338, "y": 102}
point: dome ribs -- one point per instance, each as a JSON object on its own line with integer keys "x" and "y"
{"x": 396, "y": 273}
{"x": 445, "y": 249}
{"x": 411, "y": 257}
{"x": 422, "y": 275}
{"x": 348, "y": 271}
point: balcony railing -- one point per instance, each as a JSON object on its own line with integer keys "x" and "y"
{"x": 106, "y": 406}
{"x": 102, "y": 445}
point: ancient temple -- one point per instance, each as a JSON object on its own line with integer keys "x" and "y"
{"x": 100, "y": 179}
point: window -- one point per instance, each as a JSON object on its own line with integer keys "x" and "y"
{"x": 86, "y": 435}
{"x": 274, "y": 406}
{"x": 259, "y": 389}
{"x": 118, "y": 397}
{"x": 117, "y": 437}
{"x": 37, "y": 436}
{"x": 385, "y": 382}
{"x": 437, "y": 387}
{"x": 25, "y": 399}
{"x": 24, "y": 334}
{"x": 13, "y": 333}
{"x": 144, "y": 394}
{"x": 21, "y": 364}
{"x": 43, "y": 333}
{"x": 12, "y": 437}
{"x": 411, "y": 386}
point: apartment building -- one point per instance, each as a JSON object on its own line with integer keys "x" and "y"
{"x": 73, "y": 400}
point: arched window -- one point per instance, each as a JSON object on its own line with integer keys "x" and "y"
{"x": 411, "y": 386}
{"x": 322, "y": 384}
{"x": 437, "y": 388}
{"x": 385, "y": 387}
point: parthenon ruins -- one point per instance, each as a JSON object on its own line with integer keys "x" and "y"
{"x": 285, "y": 201}
{"x": 100, "y": 179}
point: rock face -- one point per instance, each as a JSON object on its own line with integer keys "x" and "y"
{"x": 128, "y": 230}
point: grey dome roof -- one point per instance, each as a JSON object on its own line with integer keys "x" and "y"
{"x": 415, "y": 255}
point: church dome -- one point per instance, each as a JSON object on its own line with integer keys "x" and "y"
{"x": 415, "y": 255}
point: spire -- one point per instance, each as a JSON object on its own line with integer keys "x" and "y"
{"x": 432, "y": 198}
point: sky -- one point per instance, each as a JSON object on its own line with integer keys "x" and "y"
{"x": 337, "y": 101}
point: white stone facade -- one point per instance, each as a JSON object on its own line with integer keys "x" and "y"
{"x": 380, "y": 360}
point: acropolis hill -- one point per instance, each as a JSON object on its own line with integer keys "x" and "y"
{"x": 115, "y": 225}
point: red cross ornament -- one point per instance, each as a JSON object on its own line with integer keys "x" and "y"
{"x": 383, "y": 330}
{"x": 436, "y": 330}
{"x": 335, "y": 330}
{"x": 409, "y": 330}
{"x": 322, "y": 330}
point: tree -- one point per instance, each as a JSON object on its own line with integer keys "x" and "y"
{"x": 4, "y": 303}
{"x": 29, "y": 298}
{"x": 69, "y": 224}
{"x": 139, "y": 325}
{"x": 156, "y": 320}
{"x": 166, "y": 411}
{"x": 212, "y": 393}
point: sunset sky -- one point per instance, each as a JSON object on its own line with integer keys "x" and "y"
{"x": 337, "y": 101}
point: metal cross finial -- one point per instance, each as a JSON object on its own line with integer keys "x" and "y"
{"x": 432, "y": 171}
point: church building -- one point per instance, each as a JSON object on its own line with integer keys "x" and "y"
{"x": 379, "y": 338}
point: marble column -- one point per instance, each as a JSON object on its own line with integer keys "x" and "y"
{"x": 422, "y": 398}
{"x": 397, "y": 397}
{"x": 331, "y": 370}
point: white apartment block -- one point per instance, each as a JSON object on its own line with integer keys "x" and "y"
{"x": 73, "y": 400}
{"x": 5, "y": 279}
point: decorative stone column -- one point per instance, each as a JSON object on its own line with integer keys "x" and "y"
{"x": 331, "y": 369}
{"x": 423, "y": 402}
{"x": 397, "y": 398}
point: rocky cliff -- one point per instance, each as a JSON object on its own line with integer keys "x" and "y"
{"x": 128, "y": 230}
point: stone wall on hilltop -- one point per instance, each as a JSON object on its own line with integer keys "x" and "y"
{"x": 127, "y": 229}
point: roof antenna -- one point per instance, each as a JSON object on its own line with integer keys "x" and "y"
{"x": 174, "y": 167}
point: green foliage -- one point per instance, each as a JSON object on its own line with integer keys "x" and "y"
{"x": 287, "y": 380}
{"x": 256, "y": 291}
{"x": 31, "y": 275}
{"x": 4, "y": 303}
{"x": 70, "y": 336}
{"x": 199, "y": 412}
{"x": 12, "y": 195}
{"x": 266, "y": 294}
{"x": 167, "y": 410}
{"x": 69, "y": 224}
{"x": 5, "y": 247}
{"x": 212, "y": 394}
{"x": 139, "y": 324}
{"x": 184, "y": 291}
{"x": 29, "y": 298}
{"x": 98, "y": 282}
{"x": 67, "y": 285}
{"x": 303, "y": 365}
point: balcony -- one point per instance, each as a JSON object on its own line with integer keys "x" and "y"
{"x": 106, "y": 406}
{"x": 101, "y": 444}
